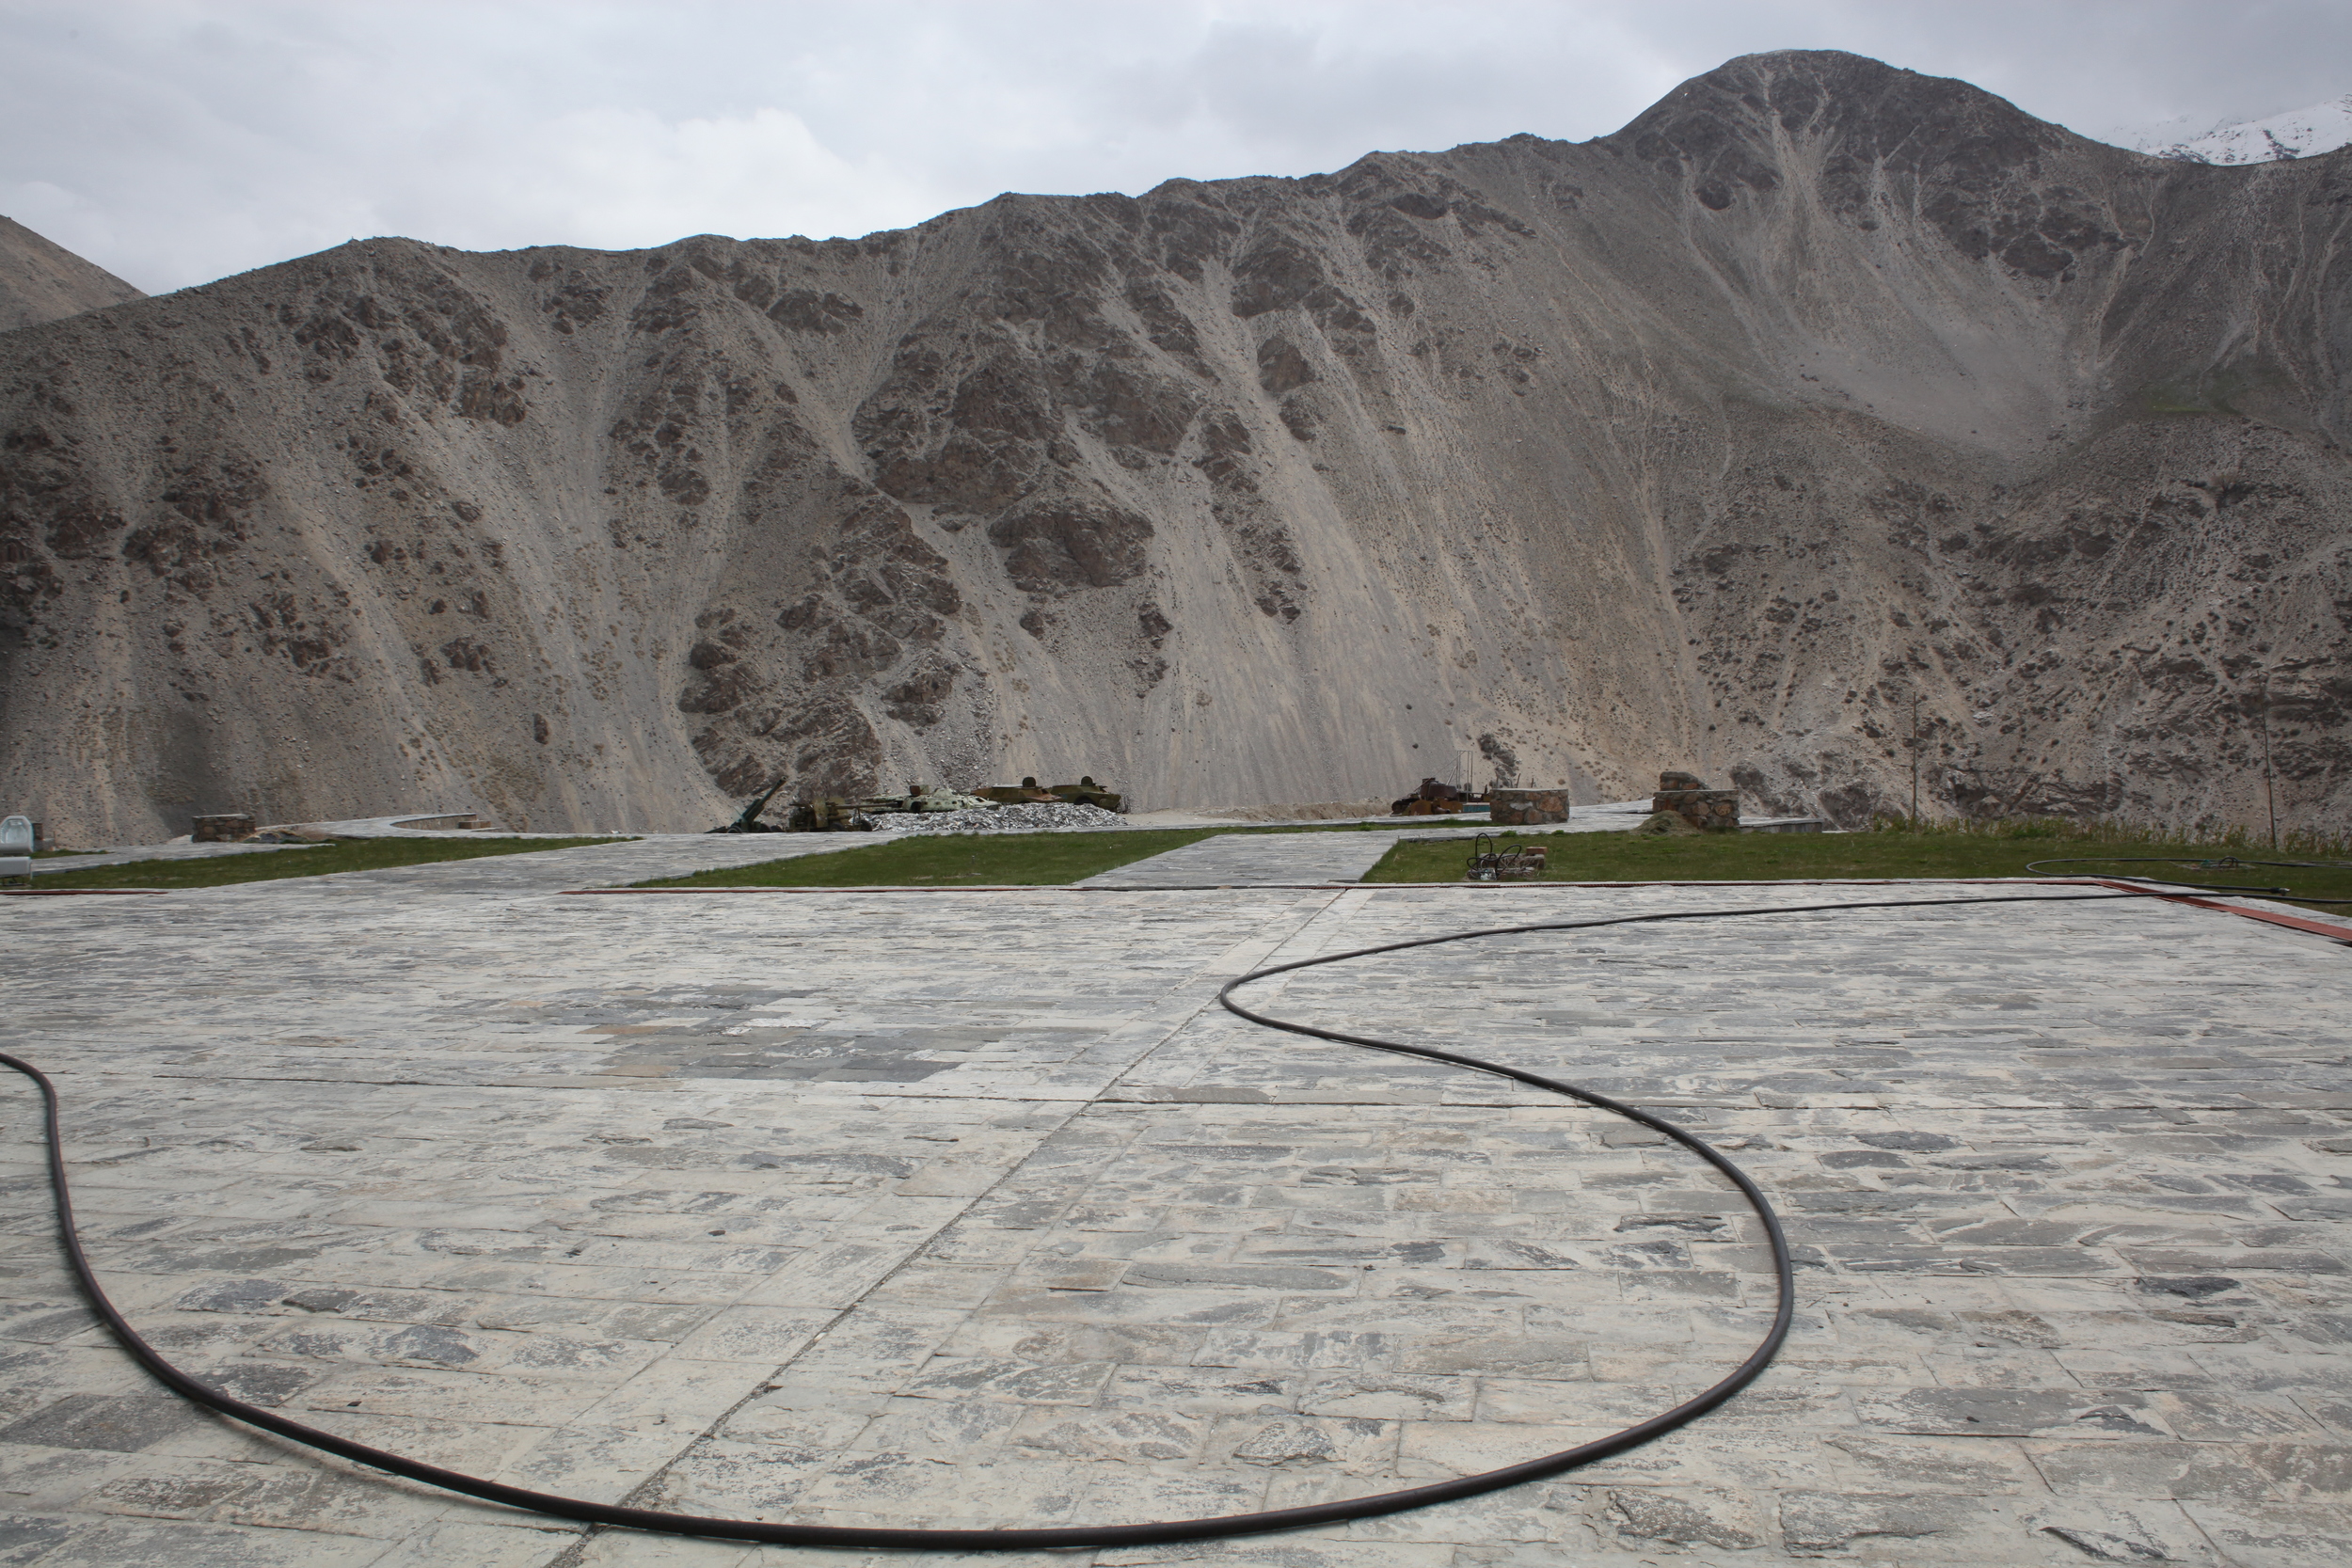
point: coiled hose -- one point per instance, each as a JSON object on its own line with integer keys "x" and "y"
{"x": 1149, "y": 1533}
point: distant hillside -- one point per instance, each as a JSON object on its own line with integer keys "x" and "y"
{"x": 1822, "y": 394}
{"x": 43, "y": 282}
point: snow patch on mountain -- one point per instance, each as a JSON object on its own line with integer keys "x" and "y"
{"x": 2296, "y": 134}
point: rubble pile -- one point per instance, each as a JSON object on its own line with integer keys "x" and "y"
{"x": 1003, "y": 819}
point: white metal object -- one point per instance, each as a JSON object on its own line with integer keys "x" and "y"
{"x": 16, "y": 846}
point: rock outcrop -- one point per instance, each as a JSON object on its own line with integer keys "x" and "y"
{"x": 1821, "y": 389}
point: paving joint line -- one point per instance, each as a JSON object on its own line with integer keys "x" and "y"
{"x": 1303, "y": 924}
{"x": 645, "y": 1492}
{"x": 642, "y": 1493}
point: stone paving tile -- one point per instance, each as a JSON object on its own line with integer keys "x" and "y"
{"x": 586, "y": 866}
{"x": 132, "y": 854}
{"x": 604, "y": 865}
{"x": 1241, "y": 860}
{"x": 536, "y": 1186}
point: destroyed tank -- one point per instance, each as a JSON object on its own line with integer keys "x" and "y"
{"x": 1029, "y": 792}
{"x": 1025, "y": 793}
{"x": 1086, "y": 792}
{"x": 924, "y": 797}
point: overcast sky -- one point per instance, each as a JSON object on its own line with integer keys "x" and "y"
{"x": 175, "y": 141}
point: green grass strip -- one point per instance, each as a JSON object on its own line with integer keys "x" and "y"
{"x": 1790, "y": 857}
{"x": 1049, "y": 860}
{"x": 955, "y": 859}
{"x": 318, "y": 860}
{"x": 981, "y": 860}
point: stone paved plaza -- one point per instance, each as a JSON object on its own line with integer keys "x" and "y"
{"x": 1239, "y": 860}
{"x": 973, "y": 1209}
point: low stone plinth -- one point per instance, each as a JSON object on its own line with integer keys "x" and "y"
{"x": 1711, "y": 811}
{"x": 1528, "y": 808}
{"x": 222, "y": 829}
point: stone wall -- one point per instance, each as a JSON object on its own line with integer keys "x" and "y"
{"x": 1527, "y": 808}
{"x": 1713, "y": 811}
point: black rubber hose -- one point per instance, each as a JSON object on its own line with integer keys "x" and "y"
{"x": 2192, "y": 860}
{"x": 1080, "y": 1535}
{"x": 2202, "y": 887}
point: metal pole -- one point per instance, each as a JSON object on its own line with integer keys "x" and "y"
{"x": 2270, "y": 799}
{"x": 1915, "y": 762}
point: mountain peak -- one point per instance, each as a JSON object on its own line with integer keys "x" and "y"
{"x": 1859, "y": 131}
{"x": 1874, "y": 111}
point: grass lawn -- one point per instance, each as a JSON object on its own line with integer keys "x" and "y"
{"x": 984, "y": 860}
{"x": 1048, "y": 860}
{"x": 269, "y": 866}
{"x": 951, "y": 860}
{"x": 1776, "y": 857}
{"x": 979, "y": 860}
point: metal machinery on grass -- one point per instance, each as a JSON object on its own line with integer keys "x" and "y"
{"x": 1432, "y": 799}
{"x": 1490, "y": 862}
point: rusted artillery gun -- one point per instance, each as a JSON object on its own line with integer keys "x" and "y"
{"x": 1431, "y": 799}
{"x": 801, "y": 817}
{"x": 1490, "y": 862}
{"x": 747, "y": 820}
{"x": 828, "y": 816}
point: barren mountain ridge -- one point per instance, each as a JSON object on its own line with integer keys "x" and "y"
{"x": 1822, "y": 389}
{"x": 41, "y": 281}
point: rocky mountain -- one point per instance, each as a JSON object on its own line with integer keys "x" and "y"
{"x": 42, "y": 281}
{"x": 1821, "y": 395}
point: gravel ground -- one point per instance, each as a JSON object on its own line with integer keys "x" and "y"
{"x": 1003, "y": 819}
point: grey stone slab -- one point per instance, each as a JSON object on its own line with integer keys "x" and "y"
{"x": 123, "y": 1423}
{"x": 616, "y": 864}
{"x": 484, "y": 1179}
{"x": 2275, "y": 1535}
{"x": 135, "y": 854}
{"x": 1243, "y": 860}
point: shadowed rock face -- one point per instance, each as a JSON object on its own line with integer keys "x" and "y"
{"x": 1820, "y": 387}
